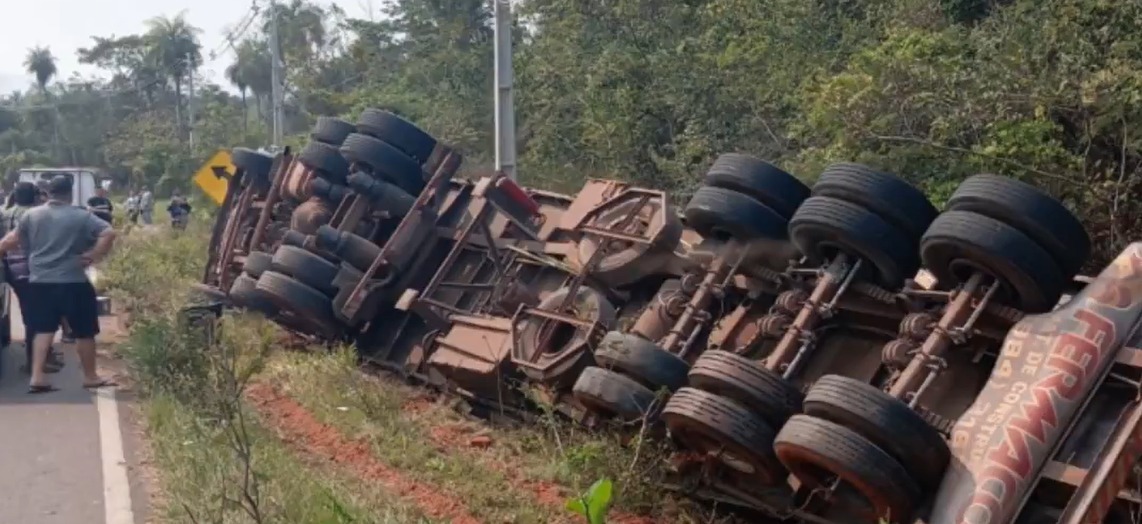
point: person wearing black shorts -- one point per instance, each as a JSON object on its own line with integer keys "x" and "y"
{"x": 60, "y": 241}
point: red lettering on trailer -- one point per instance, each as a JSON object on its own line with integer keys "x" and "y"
{"x": 1073, "y": 359}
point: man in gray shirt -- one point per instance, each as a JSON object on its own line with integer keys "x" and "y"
{"x": 60, "y": 241}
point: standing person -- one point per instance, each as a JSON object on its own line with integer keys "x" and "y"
{"x": 61, "y": 240}
{"x": 132, "y": 206}
{"x": 147, "y": 205}
{"x": 23, "y": 198}
{"x": 179, "y": 210}
{"x": 100, "y": 205}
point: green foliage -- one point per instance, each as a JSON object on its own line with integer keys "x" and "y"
{"x": 651, "y": 92}
{"x": 593, "y": 504}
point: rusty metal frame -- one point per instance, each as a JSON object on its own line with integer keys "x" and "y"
{"x": 423, "y": 210}
{"x": 1112, "y": 468}
{"x": 279, "y": 171}
{"x": 594, "y": 329}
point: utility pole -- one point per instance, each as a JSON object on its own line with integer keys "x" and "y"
{"x": 190, "y": 100}
{"x": 276, "y": 74}
{"x": 505, "y": 106}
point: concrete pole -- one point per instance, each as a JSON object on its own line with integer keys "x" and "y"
{"x": 276, "y": 75}
{"x": 505, "y": 104}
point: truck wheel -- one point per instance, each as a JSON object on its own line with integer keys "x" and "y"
{"x": 306, "y": 267}
{"x": 384, "y": 160}
{"x": 825, "y": 226}
{"x": 326, "y": 160}
{"x": 257, "y": 263}
{"x": 208, "y": 292}
{"x": 765, "y": 182}
{"x": 745, "y": 381}
{"x": 1028, "y": 209}
{"x": 332, "y": 131}
{"x": 355, "y": 250}
{"x": 642, "y": 360}
{"x": 330, "y": 192}
{"x": 382, "y": 195}
{"x": 309, "y": 306}
{"x": 563, "y": 338}
{"x": 884, "y": 421}
{"x": 816, "y": 450}
{"x": 620, "y": 267}
{"x": 257, "y": 165}
{"x": 609, "y": 394}
{"x": 960, "y": 243}
{"x": 887, "y": 195}
{"x": 723, "y": 214}
{"x": 401, "y": 133}
{"x": 244, "y": 293}
{"x": 709, "y": 424}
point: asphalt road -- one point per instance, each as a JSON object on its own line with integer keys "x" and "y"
{"x": 62, "y": 456}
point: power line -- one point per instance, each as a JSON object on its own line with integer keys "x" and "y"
{"x": 236, "y": 34}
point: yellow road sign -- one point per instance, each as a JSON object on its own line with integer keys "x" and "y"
{"x": 214, "y": 176}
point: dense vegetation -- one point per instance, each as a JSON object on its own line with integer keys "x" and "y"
{"x": 647, "y": 90}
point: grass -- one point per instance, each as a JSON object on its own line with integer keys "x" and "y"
{"x": 218, "y": 462}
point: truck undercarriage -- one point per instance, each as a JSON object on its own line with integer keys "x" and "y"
{"x": 837, "y": 353}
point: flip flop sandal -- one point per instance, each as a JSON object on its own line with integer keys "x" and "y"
{"x": 101, "y": 384}
{"x": 45, "y": 388}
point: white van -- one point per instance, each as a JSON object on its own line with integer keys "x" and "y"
{"x": 85, "y": 179}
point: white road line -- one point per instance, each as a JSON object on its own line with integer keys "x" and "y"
{"x": 116, "y": 487}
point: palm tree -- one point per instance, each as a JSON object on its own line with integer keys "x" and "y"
{"x": 234, "y": 75}
{"x": 42, "y": 64}
{"x": 253, "y": 66}
{"x": 176, "y": 51}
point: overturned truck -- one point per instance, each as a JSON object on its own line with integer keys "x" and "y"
{"x": 833, "y": 354}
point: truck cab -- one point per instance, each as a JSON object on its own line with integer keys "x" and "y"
{"x": 85, "y": 180}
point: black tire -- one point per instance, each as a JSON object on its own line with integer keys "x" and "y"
{"x": 1030, "y": 210}
{"x": 257, "y": 165}
{"x": 736, "y": 377}
{"x": 257, "y": 263}
{"x": 328, "y": 191}
{"x": 306, "y": 267}
{"x": 961, "y": 242}
{"x": 326, "y": 160}
{"x": 332, "y": 131}
{"x": 383, "y": 195}
{"x": 816, "y": 450}
{"x": 642, "y": 360}
{"x": 294, "y": 238}
{"x": 401, "y": 133}
{"x": 884, "y": 421}
{"x": 207, "y": 292}
{"x": 244, "y": 293}
{"x": 824, "y": 226}
{"x": 704, "y": 423}
{"x": 310, "y": 308}
{"x": 895, "y": 200}
{"x": 723, "y": 214}
{"x": 383, "y": 160}
{"x": 765, "y": 182}
{"x": 611, "y": 395}
{"x": 355, "y": 250}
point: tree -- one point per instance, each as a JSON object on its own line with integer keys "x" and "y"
{"x": 176, "y": 51}
{"x": 41, "y": 64}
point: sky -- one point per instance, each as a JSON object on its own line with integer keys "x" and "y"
{"x": 67, "y": 25}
